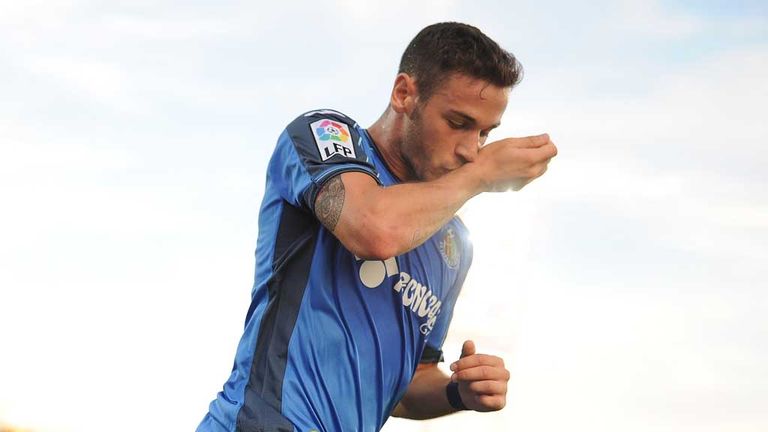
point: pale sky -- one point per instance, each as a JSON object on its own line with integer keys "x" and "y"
{"x": 625, "y": 289}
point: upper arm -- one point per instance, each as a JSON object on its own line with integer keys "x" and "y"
{"x": 313, "y": 151}
{"x": 347, "y": 206}
{"x": 321, "y": 166}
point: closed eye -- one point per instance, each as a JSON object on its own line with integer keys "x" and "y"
{"x": 457, "y": 125}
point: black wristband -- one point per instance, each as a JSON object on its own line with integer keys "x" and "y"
{"x": 454, "y": 398}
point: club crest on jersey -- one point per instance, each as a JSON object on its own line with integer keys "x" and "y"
{"x": 449, "y": 249}
{"x": 332, "y": 138}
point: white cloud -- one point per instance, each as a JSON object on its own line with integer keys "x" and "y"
{"x": 650, "y": 18}
{"x": 377, "y": 10}
{"x": 169, "y": 29}
{"x": 96, "y": 80}
{"x": 30, "y": 20}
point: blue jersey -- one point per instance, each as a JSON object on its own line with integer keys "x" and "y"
{"x": 332, "y": 341}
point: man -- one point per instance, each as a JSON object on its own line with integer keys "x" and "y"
{"x": 360, "y": 257}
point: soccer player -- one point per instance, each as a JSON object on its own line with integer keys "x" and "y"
{"x": 360, "y": 257}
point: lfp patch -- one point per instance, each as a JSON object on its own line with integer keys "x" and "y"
{"x": 332, "y": 138}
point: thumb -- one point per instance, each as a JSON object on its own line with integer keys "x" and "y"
{"x": 467, "y": 349}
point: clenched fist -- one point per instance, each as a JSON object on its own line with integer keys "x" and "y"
{"x": 482, "y": 379}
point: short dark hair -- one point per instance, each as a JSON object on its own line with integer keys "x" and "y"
{"x": 442, "y": 49}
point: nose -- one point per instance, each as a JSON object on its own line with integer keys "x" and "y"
{"x": 467, "y": 149}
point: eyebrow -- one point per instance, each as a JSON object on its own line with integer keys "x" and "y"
{"x": 469, "y": 118}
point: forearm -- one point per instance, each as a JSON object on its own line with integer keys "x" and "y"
{"x": 398, "y": 218}
{"x": 376, "y": 222}
{"x": 426, "y": 397}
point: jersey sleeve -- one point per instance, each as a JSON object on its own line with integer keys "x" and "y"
{"x": 433, "y": 351}
{"x": 312, "y": 149}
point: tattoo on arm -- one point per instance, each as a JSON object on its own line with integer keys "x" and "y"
{"x": 329, "y": 203}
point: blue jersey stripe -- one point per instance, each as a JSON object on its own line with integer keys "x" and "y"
{"x": 294, "y": 248}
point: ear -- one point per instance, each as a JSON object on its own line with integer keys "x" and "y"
{"x": 404, "y": 94}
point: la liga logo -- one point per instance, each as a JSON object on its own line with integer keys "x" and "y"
{"x": 330, "y": 130}
{"x": 332, "y": 138}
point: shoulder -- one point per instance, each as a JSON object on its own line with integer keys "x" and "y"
{"x": 327, "y": 133}
{"x": 320, "y": 115}
{"x": 314, "y": 148}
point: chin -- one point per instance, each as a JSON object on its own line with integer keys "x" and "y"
{"x": 445, "y": 171}
{"x": 434, "y": 175}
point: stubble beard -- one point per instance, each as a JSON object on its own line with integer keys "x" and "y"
{"x": 412, "y": 147}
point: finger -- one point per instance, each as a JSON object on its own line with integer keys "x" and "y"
{"x": 535, "y": 172}
{"x": 481, "y": 373}
{"x": 534, "y": 141}
{"x": 488, "y": 387}
{"x": 468, "y": 348}
{"x": 541, "y": 170}
{"x": 477, "y": 360}
{"x": 542, "y": 153}
{"x": 492, "y": 403}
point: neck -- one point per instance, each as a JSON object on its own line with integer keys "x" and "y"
{"x": 387, "y": 134}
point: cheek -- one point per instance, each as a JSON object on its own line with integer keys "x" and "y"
{"x": 439, "y": 139}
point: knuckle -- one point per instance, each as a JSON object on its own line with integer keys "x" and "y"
{"x": 486, "y": 372}
{"x": 519, "y": 156}
{"x": 530, "y": 158}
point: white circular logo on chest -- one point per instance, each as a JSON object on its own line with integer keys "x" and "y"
{"x": 372, "y": 273}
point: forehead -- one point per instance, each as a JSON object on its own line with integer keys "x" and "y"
{"x": 477, "y": 98}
